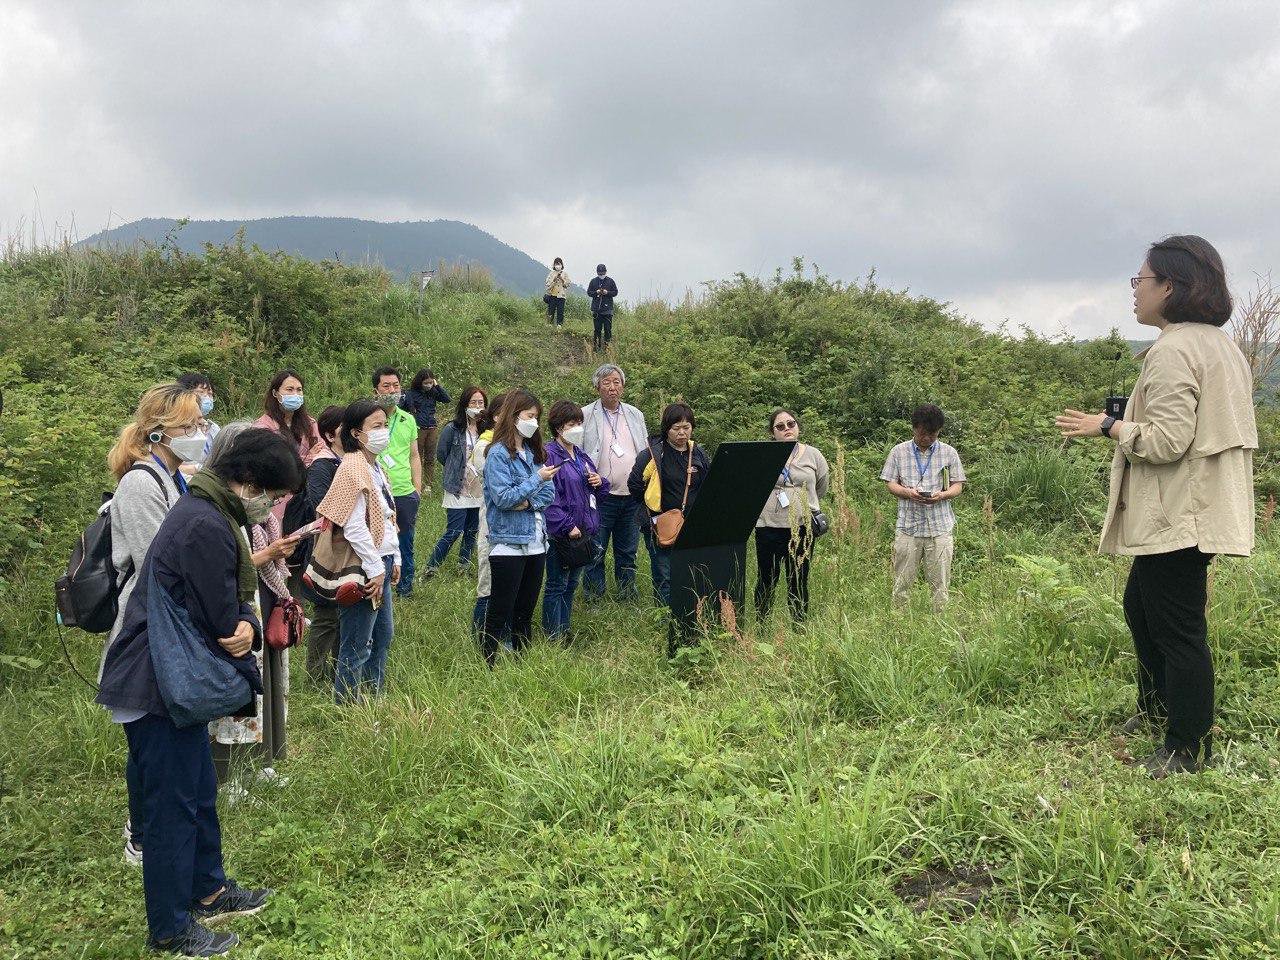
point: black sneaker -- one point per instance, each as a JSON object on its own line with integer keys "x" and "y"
{"x": 195, "y": 941}
{"x": 233, "y": 901}
{"x": 1164, "y": 762}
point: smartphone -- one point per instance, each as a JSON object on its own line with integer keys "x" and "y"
{"x": 312, "y": 529}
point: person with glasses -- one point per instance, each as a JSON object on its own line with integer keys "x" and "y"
{"x": 1181, "y": 489}
{"x": 925, "y": 475}
{"x": 785, "y": 533}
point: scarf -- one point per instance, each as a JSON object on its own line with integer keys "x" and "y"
{"x": 275, "y": 574}
{"x": 352, "y": 479}
{"x": 208, "y": 486}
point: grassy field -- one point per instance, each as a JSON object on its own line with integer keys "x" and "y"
{"x": 873, "y": 784}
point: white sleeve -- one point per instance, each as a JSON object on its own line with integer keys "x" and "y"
{"x": 356, "y": 530}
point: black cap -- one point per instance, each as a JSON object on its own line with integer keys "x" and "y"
{"x": 601, "y": 268}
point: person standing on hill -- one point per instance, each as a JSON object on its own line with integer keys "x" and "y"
{"x": 462, "y": 482}
{"x": 557, "y": 289}
{"x": 285, "y": 408}
{"x": 613, "y": 435}
{"x": 420, "y": 400}
{"x": 602, "y": 290}
{"x": 322, "y": 638}
{"x": 402, "y": 463}
{"x": 925, "y": 475}
{"x": 202, "y": 387}
{"x": 1181, "y": 489}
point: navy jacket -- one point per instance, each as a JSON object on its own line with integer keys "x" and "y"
{"x": 602, "y": 290}
{"x": 194, "y": 557}
{"x": 422, "y": 404}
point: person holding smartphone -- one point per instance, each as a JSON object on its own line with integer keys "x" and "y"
{"x": 517, "y": 491}
{"x": 925, "y": 475}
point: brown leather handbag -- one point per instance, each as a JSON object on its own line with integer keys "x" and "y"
{"x": 668, "y": 524}
{"x": 286, "y": 624}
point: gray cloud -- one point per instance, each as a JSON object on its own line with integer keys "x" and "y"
{"x": 1013, "y": 158}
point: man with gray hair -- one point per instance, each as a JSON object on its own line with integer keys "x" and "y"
{"x": 614, "y": 433}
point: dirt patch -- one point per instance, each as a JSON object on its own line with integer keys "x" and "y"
{"x": 955, "y": 891}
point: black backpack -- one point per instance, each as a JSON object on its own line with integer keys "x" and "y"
{"x": 88, "y": 594}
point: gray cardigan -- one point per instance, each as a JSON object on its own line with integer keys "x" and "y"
{"x": 593, "y": 430}
{"x": 138, "y": 508}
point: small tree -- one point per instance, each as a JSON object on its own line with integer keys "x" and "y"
{"x": 1256, "y": 329}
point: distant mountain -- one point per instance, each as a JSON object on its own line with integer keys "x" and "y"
{"x": 403, "y": 248}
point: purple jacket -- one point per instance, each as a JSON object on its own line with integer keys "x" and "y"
{"x": 573, "y": 504}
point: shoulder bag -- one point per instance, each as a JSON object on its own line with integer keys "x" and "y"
{"x": 668, "y": 524}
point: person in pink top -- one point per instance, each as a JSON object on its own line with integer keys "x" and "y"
{"x": 286, "y": 413}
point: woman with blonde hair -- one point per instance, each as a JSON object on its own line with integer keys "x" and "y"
{"x": 163, "y": 435}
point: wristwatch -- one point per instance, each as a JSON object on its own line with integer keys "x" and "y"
{"x": 1107, "y": 424}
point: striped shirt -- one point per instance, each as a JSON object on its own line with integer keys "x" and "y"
{"x": 932, "y": 470}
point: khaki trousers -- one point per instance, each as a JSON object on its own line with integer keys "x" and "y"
{"x": 933, "y": 554}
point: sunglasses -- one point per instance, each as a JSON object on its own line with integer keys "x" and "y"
{"x": 785, "y": 425}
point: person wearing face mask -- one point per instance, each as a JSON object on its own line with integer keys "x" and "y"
{"x": 517, "y": 492}
{"x": 202, "y": 386}
{"x": 286, "y": 413}
{"x": 145, "y": 460}
{"x": 573, "y": 518}
{"x": 199, "y": 563}
{"x": 322, "y": 638}
{"x": 360, "y": 503}
{"x": 602, "y": 290}
{"x": 557, "y": 289}
{"x": 463, "y": 485}
{"x": 420, "y": 399}
{"x": 402, "y": 464}
{"x": 785, "y": 533}
{"x": 485, "y": 421}
{"x": 257, "y": 735}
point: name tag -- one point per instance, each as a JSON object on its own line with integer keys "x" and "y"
{"x": 591, "y": 499}
{"x": 616, "y": 449}
{"x": 783, "y": 500}
{"x": 388, "y": 461}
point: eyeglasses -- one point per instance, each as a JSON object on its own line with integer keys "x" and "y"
{"x": 785, "y": 425}
{"x": 1133, "y": 281}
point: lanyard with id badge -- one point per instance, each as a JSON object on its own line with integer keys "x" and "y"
{"x": 785, "y": 479}
{"x": 615, "y": 448}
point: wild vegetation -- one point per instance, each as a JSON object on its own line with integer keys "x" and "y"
{"x": 874, "y": 783}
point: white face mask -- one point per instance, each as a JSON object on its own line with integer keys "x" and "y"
{"x": 575, "y": 434}
{"x": 473, "y": 412}
{"x": 527, "y": 428}
{"x": 377, "y": 440}
{"x": 189, "y": 449}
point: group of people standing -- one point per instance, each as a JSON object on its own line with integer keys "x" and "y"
{"x": 220, "y": 530}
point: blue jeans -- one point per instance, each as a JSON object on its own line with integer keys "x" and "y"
{"x": 464, "y": 523}
{"x": 617, "y": 520}
{"x": 363, "y": 644}
{"x": 660, "y": 562}
{"x": 557, "y": 595}
{"x": 406, "y": 521}
{"x": 173, "y": 784}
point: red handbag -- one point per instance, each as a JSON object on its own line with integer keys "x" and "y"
{"x": 285, "y": 625}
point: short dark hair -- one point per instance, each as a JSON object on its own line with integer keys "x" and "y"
{"x": 1195, "y": 269}
{"x": 773, "y": 417}
{"x": 330, "y": 421}
{"x": 563, "y": 412}
{"x": 559, "y": 260}
{"x": 929, "y": 416}
{"x": 263, "y": 458}
{"x": 353, "y": 419}
{"x": 421, "y": 377}
{"x": 384, "y": 372}
{"x": 675, "y": 413}
{"x": 194, "y": 380}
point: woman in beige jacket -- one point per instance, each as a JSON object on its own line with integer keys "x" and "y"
{"x": 557, "y": 289}
{"x": 1181, "y": 488}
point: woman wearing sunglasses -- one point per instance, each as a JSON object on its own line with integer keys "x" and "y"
{"x": 785, "y": 532}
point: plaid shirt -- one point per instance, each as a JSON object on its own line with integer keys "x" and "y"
{"x": 920, "y": 519}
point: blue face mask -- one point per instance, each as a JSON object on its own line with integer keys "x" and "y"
{"x": 206, "y": 406}
{"x": 291, "y": 401}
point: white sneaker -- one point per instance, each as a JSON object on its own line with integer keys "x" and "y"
{"x": 269, "y": 775}
{"x": 234, "y": 793}
{"x": 132, "y": 854}
{"x": 128, "y": 829}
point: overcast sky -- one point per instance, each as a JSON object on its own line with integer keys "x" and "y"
{"x": 1013, "y": 158}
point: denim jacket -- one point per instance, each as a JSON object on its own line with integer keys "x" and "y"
{"x": 509, "y": 480}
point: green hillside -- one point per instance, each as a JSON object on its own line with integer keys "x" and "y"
{"x": 874, "y": 783}
{"x": 402, "y": 248}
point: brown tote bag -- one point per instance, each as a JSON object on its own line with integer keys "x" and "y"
{"x": 668, "y": 524}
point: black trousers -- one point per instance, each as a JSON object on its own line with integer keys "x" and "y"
{"x": 1164, "y": 603}
{"x": 555, "y": 311}
{"x": 776, "y": 550}
{"x": 603, "y": 324}
{"x": 517, "y": 581}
